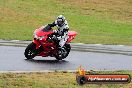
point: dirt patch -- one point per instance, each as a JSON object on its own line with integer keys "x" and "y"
{"x": 116, "y": 9}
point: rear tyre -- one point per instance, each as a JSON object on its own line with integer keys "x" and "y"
{"x": 30, "y": 51}
{"x": 64, "y": 52}
{"x": 68, "y": 49}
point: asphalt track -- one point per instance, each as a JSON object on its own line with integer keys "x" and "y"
{"x": 12, "y": 59}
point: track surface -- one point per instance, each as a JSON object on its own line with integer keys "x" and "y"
{"x": 12, "y": 59}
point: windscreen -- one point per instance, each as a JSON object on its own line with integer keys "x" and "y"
{"x": 46, "y": 28}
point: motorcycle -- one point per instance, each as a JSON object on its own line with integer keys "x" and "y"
{"x": 45, "y": 44}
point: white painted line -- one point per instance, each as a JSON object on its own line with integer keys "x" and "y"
{"x": 15, "y": 40}
{"x": 64, "y": 71}
{"x": 120, "y": 45}
{"x": 98, "y": 44}
{"x": 37, "y": 71}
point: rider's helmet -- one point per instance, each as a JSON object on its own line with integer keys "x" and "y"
{"x": 60, "y": 20}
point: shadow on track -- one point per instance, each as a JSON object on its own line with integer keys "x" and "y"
{"x": 47, "y": 61}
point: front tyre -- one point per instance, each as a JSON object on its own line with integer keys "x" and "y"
{"x": 30, "y": 51}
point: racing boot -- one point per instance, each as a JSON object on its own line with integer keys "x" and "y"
{"x": 60, "y": 51}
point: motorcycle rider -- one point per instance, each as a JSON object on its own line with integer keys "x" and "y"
{"x": 62, "y": 25}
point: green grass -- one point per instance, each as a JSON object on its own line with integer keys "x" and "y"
{"x": 53, "y": 80}
{"x": 106, "y": 22}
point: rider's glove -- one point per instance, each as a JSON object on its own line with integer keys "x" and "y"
{"x": 54, "y": 38}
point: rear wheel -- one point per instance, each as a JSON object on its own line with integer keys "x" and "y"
{"x": 30, "y": 51}
{"x": 63, "y": 53}
{"x": 68, "y": 49}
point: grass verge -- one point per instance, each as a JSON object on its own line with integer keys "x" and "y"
{"x": 53, "y": 80}
{"x": 96, "y": 21}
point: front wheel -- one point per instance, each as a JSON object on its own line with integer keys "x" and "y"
{"x": 30, "y": 51}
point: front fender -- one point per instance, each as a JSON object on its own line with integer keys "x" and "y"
{"x": 37, "y": 43}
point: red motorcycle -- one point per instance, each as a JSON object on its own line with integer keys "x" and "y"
{"x": 45, "y": 44}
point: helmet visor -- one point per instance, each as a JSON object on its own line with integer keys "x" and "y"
{"x": 60, "y": 21}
